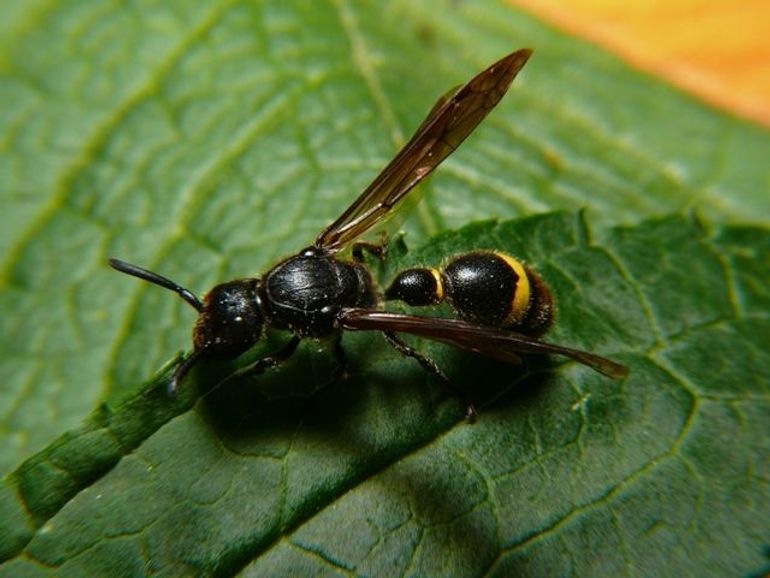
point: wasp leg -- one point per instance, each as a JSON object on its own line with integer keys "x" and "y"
{"x": 376, "y": 249}
{"x": 341, "y": 370}
{"x": 184, "y": 368}
{"x": 268, "y": 361}
{"x": 429, "y": 365}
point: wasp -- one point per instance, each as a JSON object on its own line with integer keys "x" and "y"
{"x": 502, "y": 306}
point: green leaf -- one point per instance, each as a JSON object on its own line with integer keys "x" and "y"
{"x": 380, "y": 474}
{"x": 206, "y": 140}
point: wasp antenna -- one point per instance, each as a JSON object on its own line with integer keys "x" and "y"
{"x": 136, "y": 271}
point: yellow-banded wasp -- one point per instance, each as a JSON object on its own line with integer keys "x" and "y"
{"x": 502, "y": 306}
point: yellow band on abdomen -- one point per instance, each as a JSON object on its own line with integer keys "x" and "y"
{"x": 523, "y": 295}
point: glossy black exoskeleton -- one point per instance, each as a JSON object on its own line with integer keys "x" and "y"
{"x": 306, "y": 293}
{"x": 486, "y": 287}
{"x": 502, "y": 305}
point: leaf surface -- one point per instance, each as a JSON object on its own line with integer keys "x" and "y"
{"x": 206, "y": 140}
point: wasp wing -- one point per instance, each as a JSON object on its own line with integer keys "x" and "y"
{"x": 490, "y": 341}
{"x": 450, "y": 121}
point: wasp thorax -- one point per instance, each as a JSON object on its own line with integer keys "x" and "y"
{"x": 305, "y": 293}
{"x": 231, "y": 320}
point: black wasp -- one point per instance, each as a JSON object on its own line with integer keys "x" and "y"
{"x": 502, "y": 305}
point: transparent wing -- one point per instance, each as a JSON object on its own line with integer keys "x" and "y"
{"x": 450, "y": 121}
{"x": 490, "y": 341}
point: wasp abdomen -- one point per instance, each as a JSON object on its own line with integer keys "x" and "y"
{"x": 417, "y": 287}
{"x": 486, "y": 287}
